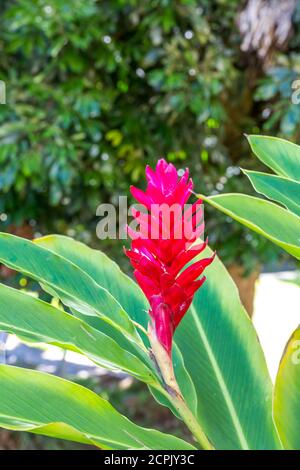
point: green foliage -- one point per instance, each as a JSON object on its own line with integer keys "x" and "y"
{"x": 97, "y": 88}
{"x": 208, "y": 341}
{"x": 217, "y": 359}
{"x": 42, "y": 322}
{"x": 278, "y": 224}
{"x": 227, "y": 396}
{"x": 222, "y": 354}
{"x": 69, "y": 411}
{"x": 286, "y": 394}
{"x": 275, "y": 90}
{"x": 282, "y": 190}
{"x": 273, "y": 222}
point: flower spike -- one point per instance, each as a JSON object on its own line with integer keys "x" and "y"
{"x": 165, "y": 243}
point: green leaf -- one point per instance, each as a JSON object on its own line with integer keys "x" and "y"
{"x": 108, "y": 274}
{"x": 277, "y": 188}
{"x": 287, "y": 394}
{"x": 281, "y": 156}
{"x": 23, "y": 315}
{"x": 273, "y": 222}
{"x": 73, "y": 286}
{"x": 105, "y": 272}
{"x": 228, "y": 330}
{"x": 222, "y": 353}
{"x": 41, "y": 403}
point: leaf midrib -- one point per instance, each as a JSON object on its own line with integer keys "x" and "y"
{"x": 219, "y": 376}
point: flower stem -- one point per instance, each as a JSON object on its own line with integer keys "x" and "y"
{"x": 191, "y": 422}
{"x": 187, "y": 417}
{"x": 172, "y": 391}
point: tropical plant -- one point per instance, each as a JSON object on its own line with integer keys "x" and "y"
{"x": 279, "y": 224}
{"x": 210, "y": 372}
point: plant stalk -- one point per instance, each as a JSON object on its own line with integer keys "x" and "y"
{"x": 172, "y": 391}
{"x": 191, "y": 422}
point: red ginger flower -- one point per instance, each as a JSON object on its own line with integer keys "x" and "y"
{"x": 159, "y": 260}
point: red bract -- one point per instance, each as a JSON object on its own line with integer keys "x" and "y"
{"x": 165, "y": 243}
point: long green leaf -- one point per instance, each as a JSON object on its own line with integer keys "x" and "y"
{"x": 281, "y": 156}
{"x": 277, "y": 188}
{"x": 270, "y": 220}
{"x": 73, "y": 286}
{"x": 24, "y": 315}
{"x": 45, "y": 404}
{"x": 103, "y": 270}
{"x": 224, "y": 358}
{"x": 108, "y": 274}
{"x": 287, "y": 394}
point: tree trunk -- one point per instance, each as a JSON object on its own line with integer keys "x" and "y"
{"x": 245, "y": 285}
{"x": 25, "y": 231}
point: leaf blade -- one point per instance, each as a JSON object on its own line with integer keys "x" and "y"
{"x": 276, "y": 188}
{"x": 108, "y": 274}
{"x": 74, "y": 287}
{"x": 58, "y": 400}
{"x": 273, "y": 222}
{"x": 224, "y": 358}
{"x": 286, "y": 394}
{"x": 188, "y": 341}
{"x": 282, "y": 156}
{"x": 23, "y": 314}
{"x": 103, "y": 270}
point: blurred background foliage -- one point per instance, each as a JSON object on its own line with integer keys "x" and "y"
{"x": 96, "y": 89}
